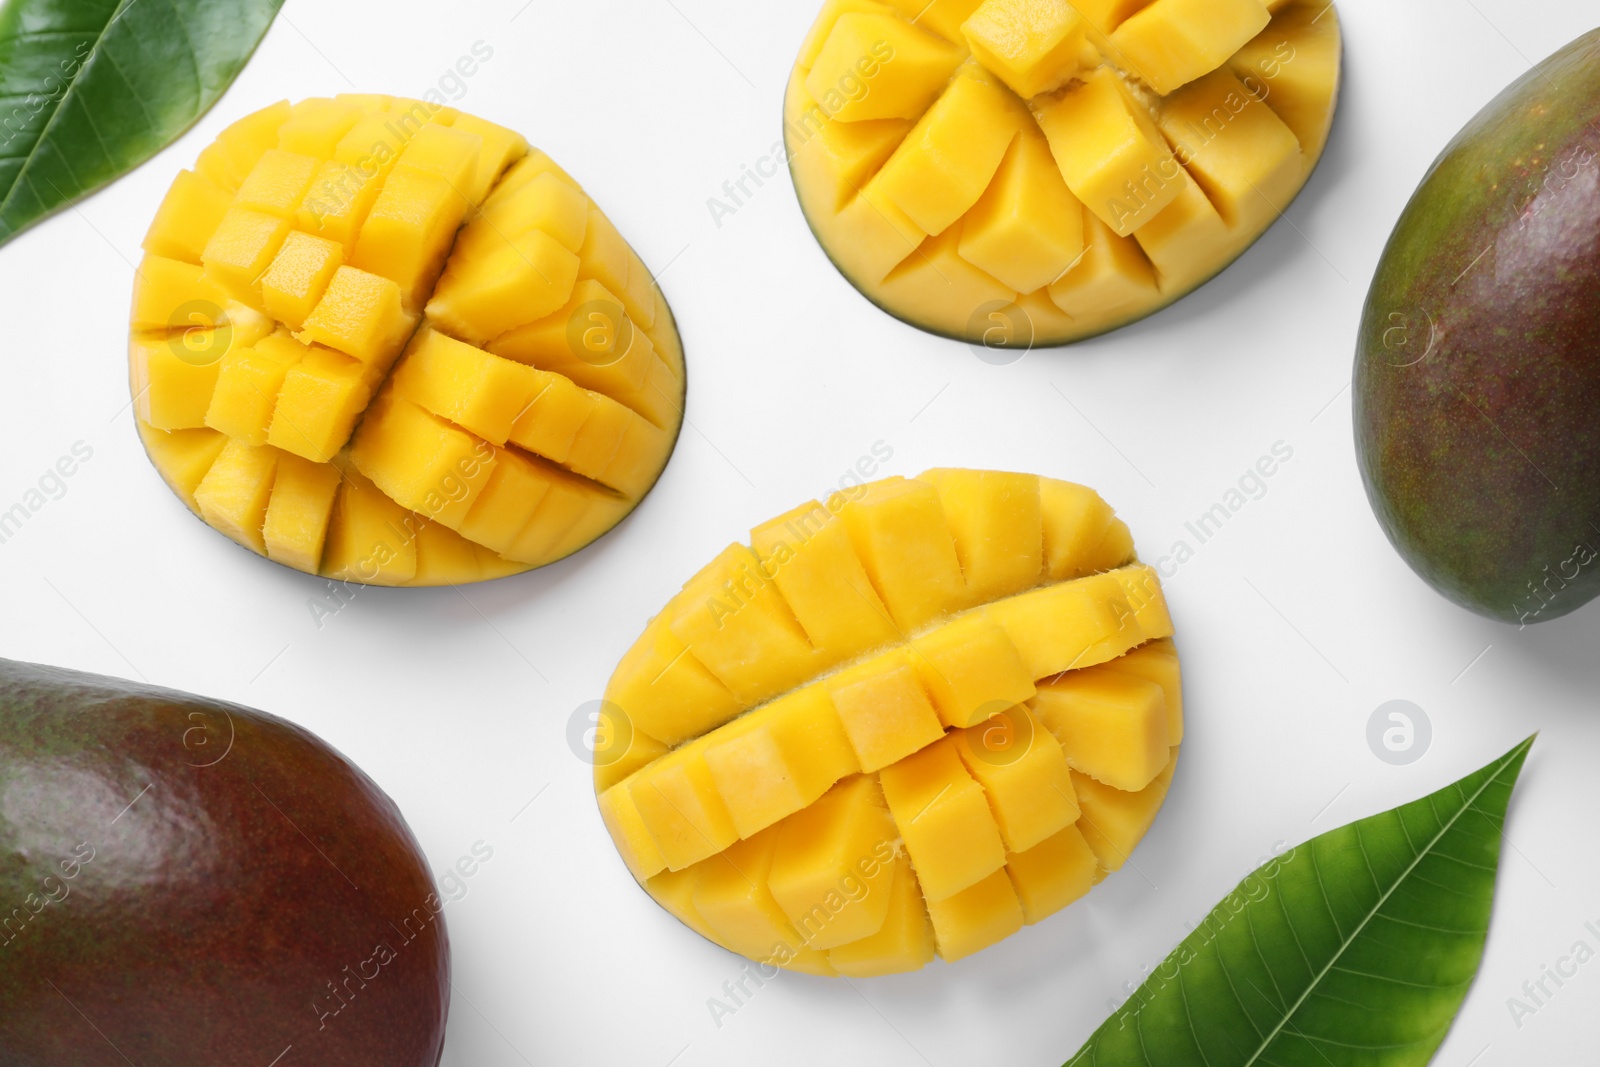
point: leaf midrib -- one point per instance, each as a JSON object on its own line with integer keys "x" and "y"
{"x": 61, "y": 104}
{"x": 1362, "y": 925}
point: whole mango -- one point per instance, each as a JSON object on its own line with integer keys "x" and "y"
{"x": 1477, "y": 374}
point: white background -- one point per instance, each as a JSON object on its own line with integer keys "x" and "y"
{"x": 1295, "y": 622}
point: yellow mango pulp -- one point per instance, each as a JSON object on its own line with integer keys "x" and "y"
{"x": 1035, "y": 172}
{"x": 425, "y": 276}
{"x": 916, "y": 717}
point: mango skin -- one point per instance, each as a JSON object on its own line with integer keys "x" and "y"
{"x": 1477, "y": 372}
{"x": 200, "y": 925}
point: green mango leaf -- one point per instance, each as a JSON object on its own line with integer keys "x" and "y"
{"x": 1357, "y": 947}
{"x": 89, "y": 89}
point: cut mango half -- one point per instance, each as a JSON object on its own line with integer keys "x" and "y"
{"x": 901, "y": 723}
{"x": 1021, "y": 173}
{"x": 382, "y": 341}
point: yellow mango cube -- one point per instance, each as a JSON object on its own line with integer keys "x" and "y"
{"x": 498, "y": 149}
{"x": 1112, "y": 278}
{"x": 733, "y": 620}
{"x": 506, "y": 503}
{"x": 1027, "y": 229}
{"x": 885, "y": 710}
{"x": 732, "y": 898}
{"x": 817, "y": 35}
{"x": 1069, "y": 625}
{"x": 422, "y": 462}
{"x": 1293, "y": 67}
{"x": 316, "y": 126}
{"x": 832, "y": 158}
{"x": 1114, "y": 821}
{"x": 678, "y": 801}
{"x": 409, "y": 229}
{"x": 1182, "y": 239}
{"x": 189, "y": 214}
{"x": 1052, "y": 874}
{"x": 1075, "y": 520}
{"x": 809, "y": 554}
{"x": 317, "y": 408}
{"x": 228, "y": 160}
{"x": 794, "y": 750}
{"x": 233, "y": 495}
{"x": 884, "y": 236}
{"x": 167, "y": 291}
{"x": 1107, "y": 15}
{"x": 299, "y": 277}
{"x": 515, "y": 284}
{"x": 1172, "y": 42}
{"x": 998, "y": 527}
{"x": 944, "y": 17}
{"x": 370, "y": 537}
{"x": 946, "y": 161}
{"x": 637, "y": 461}
{"x": 1109, "y": 150}
{"x": 948, "y": 292}
{"x": 637, "y": 847}
{"x": 1024, "y": 773}
{"x": 1157, "y": 661}
{"x": 1113, "y": 727}
{"x": 450, "y": 153}
{"x": 944, "y": 820}
{"x": 182, "y": 456}
{"x": 241, "y": 249}
{"x": 296, "y": 526}
{"x": 972, "y": 669}
{"x": 905, "y": 940}
{"x": 976, "y": 917}
{"x": 248, "y": 383}
{"x": 171, "y": 389}
{"x": 340, "y": 197}
{"x": 361, "y": 315}
{"x": 878, "y": 66}
{"x": 549, "y": 423}
{"x": 899, "y": 532}
{"x": 1239, "y": 151}
{"x": 475, "y": 390}
{"x": 1032, "y": 44}
{"x": 546, "y": 203}
{"x": 278, "y": 183}
{"x": 832, "y": 866}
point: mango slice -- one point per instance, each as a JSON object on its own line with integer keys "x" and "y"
{"x": 898, "y": 725}
{"x": 1020, "y": 173}
{"x": 382, "y": 341}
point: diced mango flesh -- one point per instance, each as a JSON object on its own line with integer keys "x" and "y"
{"x": 1035, "y": 172}
{"x": 349, "y": 262}
{"x": 818, "y": 784}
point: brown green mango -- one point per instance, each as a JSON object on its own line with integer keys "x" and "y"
{"x": 188, "y": 882}
{"x": 1477, "y": 372}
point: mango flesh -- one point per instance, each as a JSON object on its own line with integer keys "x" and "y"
{"x": 385, "y": 342}
{"x": 1476, "y": 379}
{"x": 901, "y": 723}
{"x": 199, "y": 879}
{"x": 1017, "y": 173}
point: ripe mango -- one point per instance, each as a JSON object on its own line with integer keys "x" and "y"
{"x": 1016, "y": 173}
{"x": 1477, "y": 372}
{"x": 186, "y": 882}
{"x": 900, "y": 723}
{"x": 383, "y": 341}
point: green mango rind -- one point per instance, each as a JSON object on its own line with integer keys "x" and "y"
{"x": 1357, "y": 947}
{"x": 93, "y": 88}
